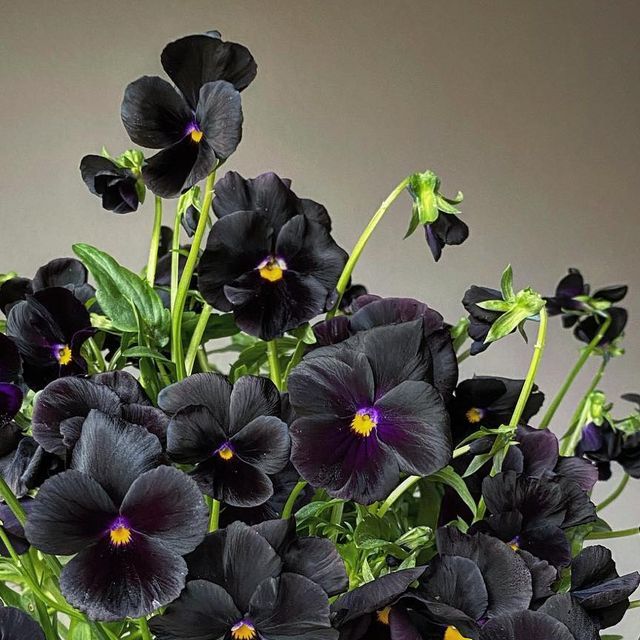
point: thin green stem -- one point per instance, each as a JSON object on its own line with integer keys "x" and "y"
{"x": 634, "y": 604}
{"x": 529, "y": 381}
{"x": 336, "y": 519}
{"x": 203, "y": 361}
{"x": 152, "y": 263}
{"x": 214, "y": 518}
{"x": 291, "y": 500}
{"x": 143, "y": 625}
{"x": 12, "y": 502}
{"x": 343, "y": 282}
{"x": 296, "y": 356}
{"x": 464, "y": 355}
{"x": 185, "y": 280}
{"x": 460, "y": 451}
{"x": 405, "y": 485}
{"x": 196, "y": 338}
{"x": 607, "y": 535}
{"x": 175, "y": 259}
{"x": 274, "y": 363}
{"x": 97, "y": 354}
{"x": 566, "y": 385}
{"x": 615, "y": 493}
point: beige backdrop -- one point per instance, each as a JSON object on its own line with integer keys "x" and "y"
{"x": 530, "y": 107}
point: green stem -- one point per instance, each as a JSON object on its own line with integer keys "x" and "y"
{"x": 607, "y": 535}
{"x": 185, "y": 280}
{"x": 214, "y": 518}
{"x": 296, "y": 356}
{"x": 464, "y": 355}
{"x": 196, "y": 338}
{"x": 274, "y": 363}
{"x": 203, "y": 361}
{"x": 97, "y": 354}
{"x": 343, "y": 282}
{"x": 615, "y": 493}
{"x": 145, "y": 634}
{"x": 634, "y": 604}
{"x": 12, "y": 502}
{"x": 584, "y": 356}
{"x": 529, "y": 381}
{"x": 291, "y": 500}
{"x": 175, "y": 259}
{"x": 336, "y": 519}
{"x": 152, "y": 263}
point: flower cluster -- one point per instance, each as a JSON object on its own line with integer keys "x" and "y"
{"x": 238, "y": 443}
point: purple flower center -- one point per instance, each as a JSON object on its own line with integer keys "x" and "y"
{"x": 365, "y": 421}
{"x": 243, "y": 630}
{"x": 120, "y": 532}
{"x": 225, "y": 451}
{"x": 194, "y": 131}
{"x": 272, "y": 268}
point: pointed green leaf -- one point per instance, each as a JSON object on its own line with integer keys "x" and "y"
{"x": 449, "y": 477}
{"x": 506, "y": 284}
{"x": 495, "y": 305}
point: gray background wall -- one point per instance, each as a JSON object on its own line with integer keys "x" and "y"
{"x": 531, "y": 108}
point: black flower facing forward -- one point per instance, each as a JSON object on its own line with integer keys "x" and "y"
{"x": 365, "y": 414}
{"x": 17, "y": 625}
{"x": 197, "y": 125}
{"x": 49, "y": 328}
{"x": 274, "y": 266}
{"x": 10, "y": 374}
{"x": 126, "y": 521}
{"x": 232, "y": 433}
{"x": 60, "y": 409}
{"x": 243, "y": 592}
{"x": 115, "y": 185}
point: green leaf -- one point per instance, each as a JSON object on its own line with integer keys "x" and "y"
{"x": 495, "y": 305}
{"x": 506, "y": 284}
{"x": 121, "y": 293}
{"x": 506, "y": 323}
{"x": 221, "y": 325}
{"x": 314, "y": 509}
{"x": 449, "y": 477}
{"x": 413, "y": 223}
{"x": 81, "y": 631}
{"x": 145, "y": 352}
{"x": 477, "y": 462}
{"x": 305, "y": 333}
{"x": 374, "y": 532}
{"x": 445, "y": 206}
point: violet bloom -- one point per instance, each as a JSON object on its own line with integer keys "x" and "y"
{"x": 365, "y": 414}
{"x": 10, "y": 373}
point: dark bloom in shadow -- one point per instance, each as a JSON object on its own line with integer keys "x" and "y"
{"x": 597, "y": 586}
{"x": 60, "y": 410}
{"x": 564, "y": 301}
{"x": 196, "y": 125}
{"x": 274, "y": 267}
{"x": 446, "y": 230}
{"x": 587, "y": 329}
{"x": 10, "y": 375}
{"x": 49, "y": 328}
{"x": 533, "y": 513}
{"x": 365, "y": 414}
{"x": 232, "y": 433}
{"x": 126, "y": 521}
{"x": 244, "y": 592}
{"x": 14, "y": 530}
{"x": 115, "y": 185}
{"x": 489, "y": 402}
{"x": 17, "y": 625}
{"x": 603, "y": 445}
{"x": 481, "y": 320}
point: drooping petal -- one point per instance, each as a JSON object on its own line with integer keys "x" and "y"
{"x": 61, "y": 272}
{"x": 567, "y": 610}
{"x": 12, "y": 291}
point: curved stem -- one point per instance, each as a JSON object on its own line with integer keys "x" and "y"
{"x": 607, "y": 535}
{"x": 196, "y": 338}
{"x": 343, "y": 282}
{"x": 145, "y": 634}
{"x": 12, "y": 502}
{"x": 214, "y": 518}
{"x": 152, "y": 263}
{"x": 584, "y": 356}
{"x": 274, "y": 364}
{"x": 529, "y": 381}
{"x": 336, "y": 518}
{"x": 185, "y": 280}
{"x": 291, "y": 500}
{"x": 405, "y": 485}
{"x": 615, "y": 493}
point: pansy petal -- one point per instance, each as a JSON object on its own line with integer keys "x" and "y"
{"x": 110, "y": 582}
{"x": 71, "y": 512}
{"x": 60, "y": 272}
{"x": 194, "y": 435}
{"x": 10, "y": 402}
{"x": 166, "y": 505}
{"x": 252, "y": 397}
{"x": 567, "y": 610}
{"x": 525, "y": 625}
{"x": 264, "y": 444}
{"x": 15, "y": 624}
{"x": 211, "y": 390}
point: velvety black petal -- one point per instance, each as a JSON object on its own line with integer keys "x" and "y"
{"x": 110, "y": 582}
{"x": 194, "y": 435}
{"x": 219, "y": 115}
{"x": 154, "y": 114}
{"x": 10, "y": 362}
{"x": 548, "y": 542}
{"x": 539, "y": 449}
{"x": 166, "y": 505}
{"x": 18, "y": 625}
{"x": 204, "y": 611}
{"x": 264, "y": 444}
{"x": 613, "y": 293}
{"x": 211, "y": 390}
{"x": 567, "y": 610}
{"x": 12, "y": 291}
{"x": 448, "y": 229}
{"x": 587, "y": 329}
{"x": 10, "y": 402}
{"x": 70, "y": 512}
{"x": 252, "y": 397}
{"x": 291, "y": 606}
{"x": 579, "y": 470}
{"x": 61, "y": 272}
{"x": 115, "y": 453}
{"x": 13, "y": 529}
{"x": 332, "y": 331}
{"x": 543, "y": 576}
{"x": 525, "y": 625}
{"x": 194, "y": 60}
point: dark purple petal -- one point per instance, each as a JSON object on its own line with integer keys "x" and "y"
{"x": 194, "y": 435}
{"x": 264, "y": 444}
{"x": 10, "y": 402}
{"x": 210, "y": 390}
{"x": 525, "y": 625}
{"x": 18, "y": 625}
{"x": 252, "y": 397}
{"x": 61, "y": 272}
{"x": 12, "y": 291}
{"x": 567, "y": 610}
{"x": 10, "y": 362}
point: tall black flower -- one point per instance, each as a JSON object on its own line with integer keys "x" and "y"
{"x": 18, "y": 625}
{"x": 243, "y": 592}
{"x": 49, "y": 328}
{"x": 59, "y": 411}
{"x": 196, "y": 125}
{"x": 274, "y": 266}
{"x": 126, "y": 521}
{"x": 232, "y": 433}
{"x": 365, "y": 413}
{"x": 10, "y": 374}
{"x": 115, "y": 185}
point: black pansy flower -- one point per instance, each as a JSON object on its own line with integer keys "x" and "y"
{"x": 489, "y": 402}
{"x": 49, "y": 328}
{"x": 371, "y": 311}
{"x": 126, "y": 521}
{"x": 533, "y": 513}
{"x": 199, "y": 123}
{"x": 565, "y": 301}
{"x": 232, "y": 433}
{"x": 597, "y": 586}
{"x": 587, "y": 329}
{"x": 68, "y": 273}
{"x": 377, "y": 610}
{"x": 18, "y": 625}
{"x": 116, "y": 185}
{"x": 14, "y": 530}
{"x": 365, "y": 414}
{"x": 59, "y": 411}
{"x": 480, "y": 320}
{"x": 274, "y": 267}
{"x": 10, "y": 375}
{"x": 244, "y": 592}
{"x": 446, "y": 230}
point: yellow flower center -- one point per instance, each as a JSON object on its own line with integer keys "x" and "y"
{"x": 225, "y": 452}
{"x": 474, "y": 415}
{"x": 383, "y": 615}
{"x": 243, "y": 631}
{"x": 64, "y": 354}
{"x": 120, "y": 535}
{"x": 196, "y": 135}
{"x": 451, "y": 633}
{"x": 363, "y": 423}
{"x": 272, "y": 269}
